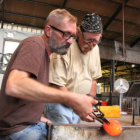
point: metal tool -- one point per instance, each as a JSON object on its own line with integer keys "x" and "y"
{"x": 99, "y": 116}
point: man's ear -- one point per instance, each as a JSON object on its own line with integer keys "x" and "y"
{"x": 78, "y": 31}
{"x": 48, "y": 31}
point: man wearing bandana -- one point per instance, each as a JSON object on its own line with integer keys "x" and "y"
{"x": 78, "y": 70}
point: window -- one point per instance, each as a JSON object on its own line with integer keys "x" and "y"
{"x": 9, "y": 48}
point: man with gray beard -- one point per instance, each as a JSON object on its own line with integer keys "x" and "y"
{"x": 25, "y": 84}
{"x": 78, "y": 70}
{"x": 61, "y": 49}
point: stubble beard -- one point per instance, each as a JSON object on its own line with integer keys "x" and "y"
{"x": 59, "y": 49}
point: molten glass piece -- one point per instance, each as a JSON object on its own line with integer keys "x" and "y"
{"x": 114, "y": 128}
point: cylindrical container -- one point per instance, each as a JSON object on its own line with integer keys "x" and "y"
{"x": 104, "y": 103}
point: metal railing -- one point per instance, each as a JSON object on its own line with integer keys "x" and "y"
{"x": 128, "y": 105}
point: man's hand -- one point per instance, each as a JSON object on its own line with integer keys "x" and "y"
{"x": 45, "y": 120}
{"x": 89, "y": 118}
{"x": 82, "y": 105}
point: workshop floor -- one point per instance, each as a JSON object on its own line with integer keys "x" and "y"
{"x": 124, "y": 120}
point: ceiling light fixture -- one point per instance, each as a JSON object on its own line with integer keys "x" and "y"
{"x": 132, "y": 65}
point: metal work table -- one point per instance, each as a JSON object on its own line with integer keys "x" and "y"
{"x": 93, "y": 131}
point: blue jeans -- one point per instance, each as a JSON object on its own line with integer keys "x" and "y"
{"x": 33, "y": 132}
{"x": 58, "y": 113}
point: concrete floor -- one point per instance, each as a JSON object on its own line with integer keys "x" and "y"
{"x": 124, "y": 120}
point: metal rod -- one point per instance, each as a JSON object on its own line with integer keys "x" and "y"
{"x": 123, "y": 29}
{"x": 64, "y": 4}
{"x": 112, "y": 73}
{"x": 49, "y": 131}
{"x": 133, "y": 111}
{"x": 2, "y": 18}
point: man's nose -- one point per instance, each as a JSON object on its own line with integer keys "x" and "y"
{"x": 70, "y": 40}
{"x": 92, "y": 43}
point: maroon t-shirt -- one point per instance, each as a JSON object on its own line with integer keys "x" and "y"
{"x": 16, "y": 114}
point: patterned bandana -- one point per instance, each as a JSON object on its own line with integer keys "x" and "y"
{"x": 91, "y": 23}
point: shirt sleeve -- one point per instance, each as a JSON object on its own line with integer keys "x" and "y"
{"x": 58, "y": 70}
{"x": 29, "y": 58}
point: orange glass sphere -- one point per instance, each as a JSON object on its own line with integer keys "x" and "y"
{"x": 114, "y": 128}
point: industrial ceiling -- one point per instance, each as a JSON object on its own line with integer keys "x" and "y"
{"x": 34, "y": 13}
{"x": 118, "y": 17}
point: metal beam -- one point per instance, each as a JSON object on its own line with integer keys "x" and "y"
{"x": 41, "y": 3}
{"x": 75, "y": 10}
{"x": 108, "y": 23}
{"x": 114, "y": 15}
{"x": 135, "y": 42}
{"x": 64, "y": 4}
{"x": 121, "y": 33}
{"x": 112, "y": 18}
{"x": 84, "y": 12}
{"x": 40, "y": 18}
{"x": 118, "y": 3}
{"x": 122, "y": 70}
{"x": 34, "y": 26}
{"x": 53, "y": 5}
{"x": 106, "y": 17}
{"x": 27, "y": 16}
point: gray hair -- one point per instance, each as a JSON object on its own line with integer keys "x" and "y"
{"x": 58, "y": 15}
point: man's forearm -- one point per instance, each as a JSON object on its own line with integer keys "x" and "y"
{"x": 59, "y": 87}
{"x": 93, "y": 87}
{"x": 20, "y": 85}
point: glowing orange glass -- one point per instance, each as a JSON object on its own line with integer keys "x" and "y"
{"x": 114, "y": 128}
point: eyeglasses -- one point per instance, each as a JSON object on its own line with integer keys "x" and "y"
{"x": 88, "y": 40}
{"x": 66, "y": 35}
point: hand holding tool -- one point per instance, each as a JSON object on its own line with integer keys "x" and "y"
{"x": 99, "y": 116}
